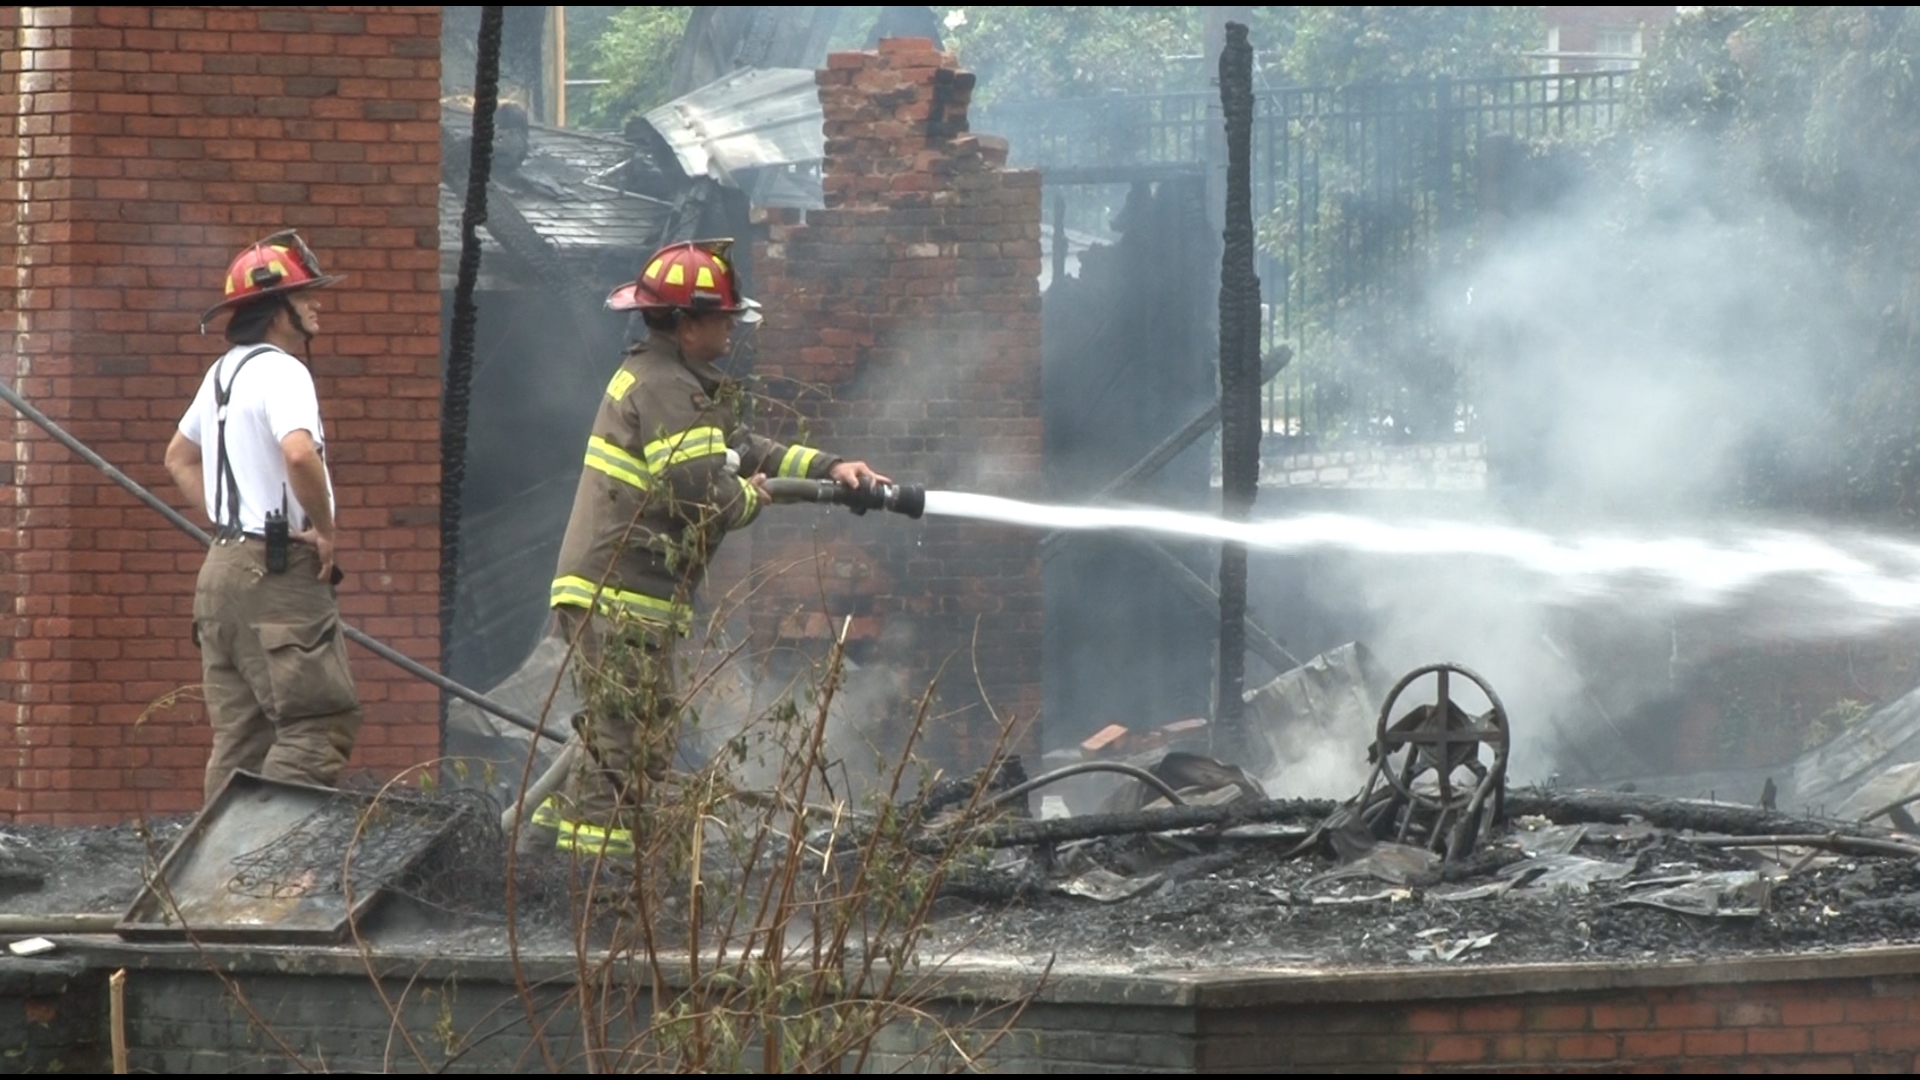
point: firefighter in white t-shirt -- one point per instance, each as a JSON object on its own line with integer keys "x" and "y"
{"x": 250, "y": 454}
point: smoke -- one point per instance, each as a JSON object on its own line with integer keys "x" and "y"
{"x": 1632, "y": 345}
{"x": 1634, "y": 350}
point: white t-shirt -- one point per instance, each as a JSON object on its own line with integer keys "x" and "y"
{"x": 271, "y": 397}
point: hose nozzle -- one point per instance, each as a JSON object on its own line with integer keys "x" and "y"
{"x": 908, "y": 499}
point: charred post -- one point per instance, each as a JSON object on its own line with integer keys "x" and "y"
{"x": 1239, "y": 380}
{"x": 458, "y": 386}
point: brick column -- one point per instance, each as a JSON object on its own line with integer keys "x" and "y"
{"x": 144, "y": 147}
{"x": 904, "y": 322}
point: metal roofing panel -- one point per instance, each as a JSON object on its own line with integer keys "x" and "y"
{"x": 749, "y": 119}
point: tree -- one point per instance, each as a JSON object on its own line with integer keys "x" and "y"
{"x": 1022, "y": 53}
{"x": 1335, "y": 46}
{"x": 1819, "y": 108}
{"x": 632, "y": 48}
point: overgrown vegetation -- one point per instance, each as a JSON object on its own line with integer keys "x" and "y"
{"x": 633, "y": 49}
{"x": 776, "y": 927}
{"x": 1818, "y": 106}
{"x": 772, "y": 916}
{"x": 1027, "y": 53}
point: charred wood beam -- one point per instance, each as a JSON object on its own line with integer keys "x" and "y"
{"x": 1195, "y": 587}
{"x": 1741, "y": 826}
{"x": 517, "y": 236}
{"x": 1595, "y": 807}
{"x": 1160, "y": 456}
{"x": 1239, "y": 382}
{"x": 457, "y": 390}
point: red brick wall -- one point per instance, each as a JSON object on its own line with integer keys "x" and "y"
{"x": 1580, "y": 28}
{"x": 1825, "y": 1025}
{"x": 150, "y": 145}
{"x": 905, "y": 320}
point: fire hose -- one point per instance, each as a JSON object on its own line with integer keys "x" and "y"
{"x": 373, "y": 645}
{"x": 908, "y": 499}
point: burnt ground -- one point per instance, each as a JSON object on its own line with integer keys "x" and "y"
{"x": 50, "y": 870}
{"x": 1261, "y": 913}
{"x": 1255, "y": 911}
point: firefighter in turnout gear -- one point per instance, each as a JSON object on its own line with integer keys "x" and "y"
{"x": 250, "y": 454}
{"x": 670, "y": 469}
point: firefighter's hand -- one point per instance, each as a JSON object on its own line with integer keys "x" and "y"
{"x": 323, "y": 545}
{"x": 855, "y": 473}
{"x": 759, "y": 482}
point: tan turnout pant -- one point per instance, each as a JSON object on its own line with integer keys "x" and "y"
{"x": 624, "y": 675}
{"x": 274, "y": 662}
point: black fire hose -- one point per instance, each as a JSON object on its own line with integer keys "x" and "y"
{"x": 378, "y": 648}
{"x": 908, "y": 499}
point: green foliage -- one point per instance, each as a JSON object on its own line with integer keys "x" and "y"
{"x": 1023, "y": 53}
{"x": 1338, "y": 46}
{"x": 633, "y": 49}
{"x": 1819, "y": 108}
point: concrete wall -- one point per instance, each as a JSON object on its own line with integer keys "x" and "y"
{"x": 1433, "y": 467}
{"x": 236, "y": 1009}
{"x": 140, "y": 149}
{"x": 53, "y": 1017}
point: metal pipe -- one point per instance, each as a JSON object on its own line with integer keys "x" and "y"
{"x": 542, "y": 787}
{"x": 1121, "y": 767}
{"x": 378, "y": 648}
{"x": 40, "y": 925}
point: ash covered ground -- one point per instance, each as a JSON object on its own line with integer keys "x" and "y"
{"x": 1262, "y": 912}
{"x": 53, "y": 870}
{"x": 1198, "y": 902}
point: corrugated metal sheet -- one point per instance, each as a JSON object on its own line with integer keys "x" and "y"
{"x": 751, "y": 119}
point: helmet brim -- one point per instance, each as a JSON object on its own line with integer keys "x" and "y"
{"x": 628, "y": 297}
{"x": 232, "y": 302}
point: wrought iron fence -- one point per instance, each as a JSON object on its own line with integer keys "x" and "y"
{"x": 1365, "y": 197}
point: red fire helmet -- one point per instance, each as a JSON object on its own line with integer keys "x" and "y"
{"x": 692, "y": 275}
{"x": 277, "y": 266}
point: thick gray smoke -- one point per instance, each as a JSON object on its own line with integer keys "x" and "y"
{"x": 1629, "y": 345}
{"x": 1631, "y": 349}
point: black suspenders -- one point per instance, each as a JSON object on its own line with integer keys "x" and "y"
{"x": 227, "y": 521}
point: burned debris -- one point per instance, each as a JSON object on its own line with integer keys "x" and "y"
{"x": 1433, "y": 860}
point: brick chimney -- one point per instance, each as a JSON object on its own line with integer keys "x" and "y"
{"x": 904, "y": 326}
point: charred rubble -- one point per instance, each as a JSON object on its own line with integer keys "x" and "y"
{"x": 1188, "y": 861}
{"x": 1435, "y": 859}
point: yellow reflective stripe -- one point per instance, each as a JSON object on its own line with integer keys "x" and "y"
{"x": 548, "y": 813}
{"x": 623, "y": 381}
{"x": 617, "y": 463}
{"x": 796, "y": 461}
{"x": 683, "y": 446}
{"x": 752, "y": 496}
{"x": 591, "y": 839}
{"x": 570, "y": 591}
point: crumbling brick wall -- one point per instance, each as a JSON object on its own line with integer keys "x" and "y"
{"x": 141, "y": 148}
{"x": 904, "y": 323}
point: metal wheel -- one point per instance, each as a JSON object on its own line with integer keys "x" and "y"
{"x": 1442, "y": 738}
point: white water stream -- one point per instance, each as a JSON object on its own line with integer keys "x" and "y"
{"x": 1854, "y": 580}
